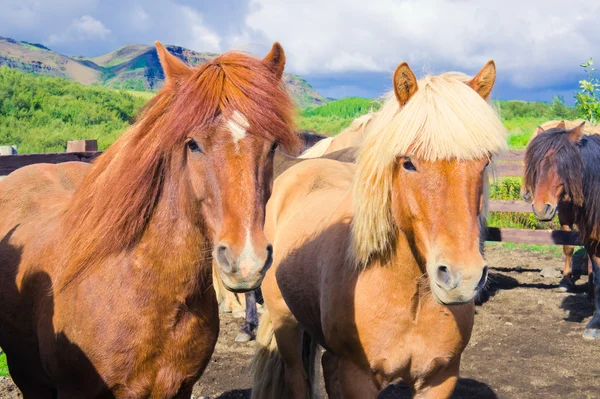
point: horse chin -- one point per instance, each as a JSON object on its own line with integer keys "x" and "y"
{"x": 240, "y": 286}
{"x": 546, "y": 217}
{"x": 455, "y": 297}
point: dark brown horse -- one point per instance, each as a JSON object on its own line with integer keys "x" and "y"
{"x": 105, "y": 284}
{"x": 562, "y": 169}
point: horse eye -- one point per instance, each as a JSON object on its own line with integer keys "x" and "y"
{"x": 408, "y": 165}
{"x": 274, "y": 147}
{"x": 193, "y": 146}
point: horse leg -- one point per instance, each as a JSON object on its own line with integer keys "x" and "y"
{"x": 590, "y": 293}
{"x": 344, "y": 380}
{"x": 289, "y": 337}
{"x": 592, "y": 330}
{"x": 565, "y": 217}
{"x": 29, "y": 386}
{"x": 248, "y": 330}
{"x": 438, "y": 386}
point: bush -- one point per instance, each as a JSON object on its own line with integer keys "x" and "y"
{"x": 587, "y": 99}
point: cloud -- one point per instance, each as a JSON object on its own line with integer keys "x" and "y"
{"x": 85, "y": 28}
{"x": 533, "y": 42}
{"x": 537, "y": 45}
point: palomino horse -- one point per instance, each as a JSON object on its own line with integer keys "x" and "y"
{"x": 563, "y": 166}
{"x": 106, "y": 269}
{"x": 247, "y": 303}
{"x": 347, "y": 138}
{"x": 378, "y": 262}
{"x": 315, "y": 146}
{"x": 565, "y": 210}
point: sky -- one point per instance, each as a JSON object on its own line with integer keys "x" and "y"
{"x": 342, "y": 47}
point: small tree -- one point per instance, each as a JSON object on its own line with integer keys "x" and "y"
{"x": 587, "y": 99}
{"x": 559, "y": 109}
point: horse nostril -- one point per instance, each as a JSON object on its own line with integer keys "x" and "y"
{"x": 547, "y": 209}
{"x": 443, "y": 277}
{"x": 269, "y": 260}
{"x": 222, "y": 259}
{"x": 483, "y": 278}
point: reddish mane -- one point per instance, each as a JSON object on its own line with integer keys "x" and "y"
{"x": 112, "y": 206}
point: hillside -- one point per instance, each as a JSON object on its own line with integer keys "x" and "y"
{"x": 41, "y": 113}
{"x": 132, "y": 67}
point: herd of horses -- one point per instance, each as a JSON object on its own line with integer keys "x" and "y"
{"x": 367, "y": 246}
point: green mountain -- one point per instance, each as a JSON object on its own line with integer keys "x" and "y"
{"x": 133, "y": 67}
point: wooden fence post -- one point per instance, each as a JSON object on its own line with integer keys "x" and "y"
{"x": 82, "y": 145}
{"x": 8, "y": 150}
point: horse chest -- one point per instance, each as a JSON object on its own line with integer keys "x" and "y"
{"x": 396, "y": 332}
{"x": 151, "y": 348}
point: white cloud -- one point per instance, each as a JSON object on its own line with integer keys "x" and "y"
{"x": 85, "y": 28}
{"x": 200, "y": 36}
{"x": 533, "y": 42}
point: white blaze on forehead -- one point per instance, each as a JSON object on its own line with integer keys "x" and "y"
{"x": 238, "y": 125}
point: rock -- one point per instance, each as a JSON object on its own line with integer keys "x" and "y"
{"x": 550, "y": 272}
{"x": 508, "y": 323}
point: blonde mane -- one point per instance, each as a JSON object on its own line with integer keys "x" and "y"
{"x": 445, "y": 119}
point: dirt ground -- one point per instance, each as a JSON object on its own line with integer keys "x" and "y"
{"x": 527, "y": 341}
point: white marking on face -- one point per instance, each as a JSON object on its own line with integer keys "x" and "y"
{"x": 248, "y": 258}
{"x": 238, "y": 125}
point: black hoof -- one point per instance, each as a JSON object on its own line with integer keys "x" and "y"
{"x": 566, "y": 285}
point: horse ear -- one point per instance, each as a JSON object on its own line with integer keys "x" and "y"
{"x": 175, "y": 70}
{"x": 576, "y": 134}
{"x": 483, "y": 82}
{"x": 561, "y": 125}
{"x": 405, "y": 83}
{"x": 275, "y": 60}
{"x": 539, "y": 131}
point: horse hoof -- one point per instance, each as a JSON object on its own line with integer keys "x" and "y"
{"x": 566, "y": 285}
{"x": 243, "y": 337}
{"x": 240, "y": 314}
{"x": 591, "y": 333}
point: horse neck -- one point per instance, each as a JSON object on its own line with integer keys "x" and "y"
{"x": 402, "y": 265}
{"x": 174, "y": 247}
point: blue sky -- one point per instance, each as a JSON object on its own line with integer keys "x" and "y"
{"x": 342, "y": 47}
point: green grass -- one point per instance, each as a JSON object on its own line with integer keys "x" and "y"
{"x": 337, "y": 115}
{"x": 41, "y": 113}
{"x": 3, "y": 366}
{"x": 551, "y": 250}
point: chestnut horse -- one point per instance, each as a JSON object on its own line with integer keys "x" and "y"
{"x": 566, "y": 212}
{"x": 378, "y": 262}
{"x": 105, "y": 269}
{"x": 562, "y": 166}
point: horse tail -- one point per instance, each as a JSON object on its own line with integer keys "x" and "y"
{"x": 268, "y": 371}
{"x": 310, "y": 350}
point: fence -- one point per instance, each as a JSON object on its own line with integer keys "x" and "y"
{"x": 510, "y": 164}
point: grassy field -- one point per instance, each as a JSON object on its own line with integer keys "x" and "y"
{"x": 3, "y": 366}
